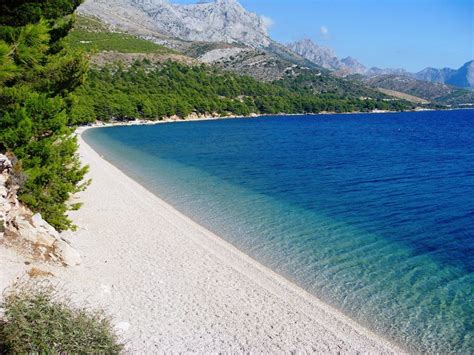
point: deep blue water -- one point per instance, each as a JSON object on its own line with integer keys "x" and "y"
{"x": 372, "y": 213}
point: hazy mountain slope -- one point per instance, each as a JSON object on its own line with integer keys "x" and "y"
{"x": 404, "y": 96}
{"x": 322, "y": 56}
{"x": 434, "y": 75}
{"x": 462, "y": 77}
{"x": 434, "y": 92}
{"x": 327, "y": 58}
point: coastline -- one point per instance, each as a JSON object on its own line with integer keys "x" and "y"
{"x": 145, "y": 122}
{"x": 175, "y": 286}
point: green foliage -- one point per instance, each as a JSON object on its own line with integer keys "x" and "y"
{"x": 91, "y": 35}
{"x": 38, "y": 321}
{"x": 145, "y": 91}
{"x": 38, "y": 74}
{"x": 109, "y": 41}
{"x": 7, "y": 65}
{"x": 317, "y": 83}
{"x": 22, "y": 12}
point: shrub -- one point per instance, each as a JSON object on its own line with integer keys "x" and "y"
{"x": 38, "y": 320}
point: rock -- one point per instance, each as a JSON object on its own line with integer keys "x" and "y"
{"x": 29, "y": 232}
{"x": 5, "y": 163}
{"x": 223, "y": 21}
{"x": 68, "y": 255}
{"x": 39, "y": 222}
{"x": 3, "y": 191}
{"x": 35, "y": 236}
{"x": 322, "y": 56}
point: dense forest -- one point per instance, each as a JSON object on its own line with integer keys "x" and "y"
{"x": 147, "y": 91}
{"x": 38, "y": 73}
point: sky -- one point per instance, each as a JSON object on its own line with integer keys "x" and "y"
{"x": 409, "y": 34}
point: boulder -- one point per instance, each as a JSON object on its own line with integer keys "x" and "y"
{"x": 28, "y": 232}
{"x": 40, "y": 223}
{"x": 66, "y": 253}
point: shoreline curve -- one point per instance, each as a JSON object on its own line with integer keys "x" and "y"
{"x": 175, "y": 286}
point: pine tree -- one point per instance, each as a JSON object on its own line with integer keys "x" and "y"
{"x": 38, "y": 75}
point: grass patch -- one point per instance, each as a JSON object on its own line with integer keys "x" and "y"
{"x": 38, "y": 320}
{"x": 90, "y": 24}
{"x": 92, "y": 35}
{"x": 110, "y": 41}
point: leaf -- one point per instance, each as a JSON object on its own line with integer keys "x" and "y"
{"x": 8, "y": 68}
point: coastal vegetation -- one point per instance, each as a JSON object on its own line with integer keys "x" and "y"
{"x": 147, "y": 91}
{"x": 38, "y": 73}
{"x": 38, "y": 320}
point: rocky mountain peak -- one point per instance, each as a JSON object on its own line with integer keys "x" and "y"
{"x": 353, "y": 65}
{"x": 462, "y": 77}
{"x": 322, "y": 56}
{"x": 327, "y": 58}
{"x": 207, "y": 21}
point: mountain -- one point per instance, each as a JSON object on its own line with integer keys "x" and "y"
{"x": 327, "y": 58}
{"x": 374, "y": 71}
{"x": 441, "y": 86}
{"x": 354, "y": 65}
{"x": 219, "y": 32}
{"x": 462, "y": 77}
{"x": 223, "y": 21}
{"x": 224, "y": 35}
{"x": 434, "y": 75}
{"x": 435, "y": 92}
{"x": 322, "y": 56}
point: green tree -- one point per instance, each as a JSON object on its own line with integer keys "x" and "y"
{"x": 38, "y": 76}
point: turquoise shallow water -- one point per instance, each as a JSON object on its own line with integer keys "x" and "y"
{"x": 372, "y": 213}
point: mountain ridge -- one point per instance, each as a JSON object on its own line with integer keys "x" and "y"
{"x": 327, "y": 58}
{"x": 462, "y": 77}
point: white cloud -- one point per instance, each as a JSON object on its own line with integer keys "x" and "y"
{"x": 267, "y": 21}
{"x": 324, "y": 31}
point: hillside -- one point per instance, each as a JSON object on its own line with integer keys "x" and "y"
{"x": 437, "y": 93}
{"x": 274, "y": 64}
{"x": 403, "y": 96}
{"x": 132, "y": 78}
{"x": 441, "y": 86}
{"x": 223, "y": 21}
{"x": 226, "y": 36}
{"x": 145, "y": 90}
{"x": 91, "y": 34}
{"x": 462, "y": 77}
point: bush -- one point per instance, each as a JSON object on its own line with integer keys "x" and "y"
{"x": 38, "y": 320}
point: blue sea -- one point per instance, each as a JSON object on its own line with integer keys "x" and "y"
{"x": 374, "y": 214}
